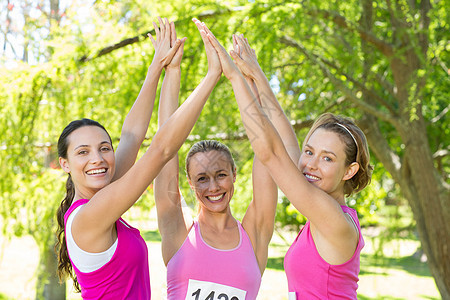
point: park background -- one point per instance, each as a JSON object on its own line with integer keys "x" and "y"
{"x": 385, "y": 64}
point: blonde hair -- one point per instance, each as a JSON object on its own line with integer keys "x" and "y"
{"x": 356, "y": 148}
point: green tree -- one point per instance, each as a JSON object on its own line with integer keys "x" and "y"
{"x": 402, "y": 100}
{"x": 38, "y": 100}
{"x": 383, "y": 63}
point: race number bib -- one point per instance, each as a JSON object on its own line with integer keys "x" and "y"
{"x": 292, "y": 296}
{"x": 204, "y": 290}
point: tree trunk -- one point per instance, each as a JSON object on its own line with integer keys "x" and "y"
{"x": 420, "y": 185}
{"x": 429, "y": 203}
{"x": 416, "y": 174}
{"x": 48, "y": 286}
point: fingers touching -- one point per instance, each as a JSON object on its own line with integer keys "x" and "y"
{"x": 167, "y": 45}
{"x": 214, "y": 65}
{"x": 169, "y": 49}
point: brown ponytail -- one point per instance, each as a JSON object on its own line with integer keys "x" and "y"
{"x": 64, "y": 265}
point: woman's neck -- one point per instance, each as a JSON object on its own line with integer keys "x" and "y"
{"x": 82, "y": 195}
{"x": 219, "y": 221}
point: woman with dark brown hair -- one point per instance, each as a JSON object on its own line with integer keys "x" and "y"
{"x": 105, "y": 256}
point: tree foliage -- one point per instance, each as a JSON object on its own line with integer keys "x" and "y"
{"x": 384, "y": 64}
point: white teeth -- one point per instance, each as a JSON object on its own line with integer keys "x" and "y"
{"x": 96, "y": 171}
{"x": 215, "y": 198}
{"x": 311, "y": 177}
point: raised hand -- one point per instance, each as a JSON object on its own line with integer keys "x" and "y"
{"x": 176, "y": 60}
{"x": 214, "y": 65}
{"x": 244, "y": 56}
{"x": 165, "y": 48}
{"x": 245, "y": 59}
{"x": 228, "y": 67}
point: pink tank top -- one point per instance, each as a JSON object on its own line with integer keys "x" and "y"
{"x": 198, "y": 271}
{"x": 126, "y": 275}
{"x": 310, "y": 277}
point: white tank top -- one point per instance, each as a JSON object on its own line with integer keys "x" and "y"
{"x": 86, "y": 261}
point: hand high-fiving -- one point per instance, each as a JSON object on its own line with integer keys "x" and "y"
{"x": 166, "y": 44}
{"x": 229, "y": 69}
{"x": 214, "y": 65}
{"x": 244, "y": 56}
{"x": 176, "y": 60}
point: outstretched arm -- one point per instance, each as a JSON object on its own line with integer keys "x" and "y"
{"x": 136, "y": 122}
{"x": 259, "y": 219}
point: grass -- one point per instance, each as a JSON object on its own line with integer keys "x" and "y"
{"x": 409, "y": 264}
{"x": 151, "y": 236}
{"x": 395, "y": 274}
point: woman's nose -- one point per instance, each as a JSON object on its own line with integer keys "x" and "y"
{"x": 96, "y": 157}
{"x": 312, "y": 162}
{"x": 213, "y": 186}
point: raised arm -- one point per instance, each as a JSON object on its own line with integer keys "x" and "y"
{"x": 171, "y": 222}
{"x": 136, "y": 122}
{"x": 94, "y": 222}
{"x": 261, "y": 211}
{"x": 245, "y": 59}
{"x": 319, "y": 207}
{"x": 259, "y": 219}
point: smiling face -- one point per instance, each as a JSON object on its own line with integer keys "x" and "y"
{"x": 212, "y": 177}
{"x": 90, "y": 160}
{"x": 323, "y": 163}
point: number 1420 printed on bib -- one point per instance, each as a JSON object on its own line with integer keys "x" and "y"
{"x": 203, "y": 290}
